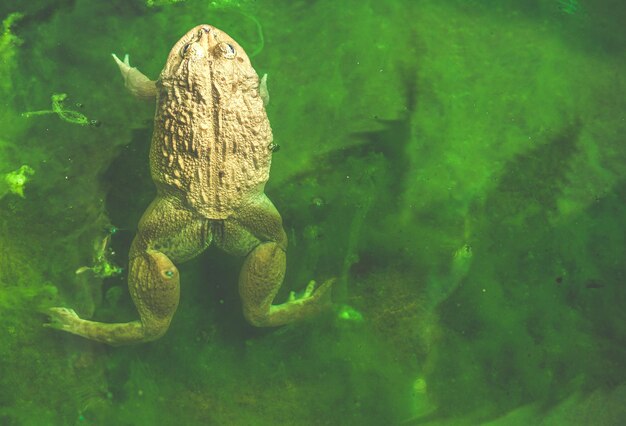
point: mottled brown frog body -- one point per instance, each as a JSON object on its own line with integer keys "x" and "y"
{"x": 210, "y": 159}
{"x": 211, "y": 142}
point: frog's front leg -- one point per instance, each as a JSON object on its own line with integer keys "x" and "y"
{"x": 134, "y": 80}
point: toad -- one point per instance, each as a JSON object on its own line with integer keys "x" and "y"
{"x": 209, "y": 159}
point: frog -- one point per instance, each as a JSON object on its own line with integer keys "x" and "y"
{"x": 210, "y": 158}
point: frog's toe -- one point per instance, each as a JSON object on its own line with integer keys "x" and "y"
{"x": 62, "y": 318}
{"x": 323, "y": 291}
{"x": 312, "y": 291}
{"x": 123, "y": 64}
{"x": 310, "y": 287}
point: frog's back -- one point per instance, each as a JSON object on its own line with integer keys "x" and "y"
{"x": 211, "y": 142}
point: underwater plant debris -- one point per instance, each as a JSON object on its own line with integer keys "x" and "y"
{"x": 102, "y": 266}
{"x": 64, "y": 114}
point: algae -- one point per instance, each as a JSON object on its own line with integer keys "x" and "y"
{"x": 14, "y": 182}
{"x": 568, "y": 6}
{"x": 9, "y": 43}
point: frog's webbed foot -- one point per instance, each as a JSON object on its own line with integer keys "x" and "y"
{"x": 62, "y": 319}
{"x": 314, "y": 298}
{"x": 154, "y": 285}
{"x": 134, "y": 80}
{"x": 321, "y": 291}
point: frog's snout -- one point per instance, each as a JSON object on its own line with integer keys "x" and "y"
{"x": 206, "y": 33}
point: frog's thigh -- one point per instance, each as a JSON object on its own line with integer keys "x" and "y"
{"x": 170, "y": 228}
{"x": 260, "y": 217}
{"x": 229, "y": 235}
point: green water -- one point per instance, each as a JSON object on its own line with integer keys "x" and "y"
{"x": 458, "y": 165}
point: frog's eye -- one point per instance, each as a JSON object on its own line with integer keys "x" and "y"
{"x": 228, "y": 51}
{"x": 168, "y": 274}
{"x": 184, "y": 50}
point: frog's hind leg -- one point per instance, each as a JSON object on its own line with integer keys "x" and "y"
{"x": 154, "y": 284}
{"x": 256, "y": 232}
{"x": 167, "y": 233}
{"x": 260, "y": 279}
{"x": 134, "y": 80}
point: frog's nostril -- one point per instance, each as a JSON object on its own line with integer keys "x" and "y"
{"x": 205, "y": 30}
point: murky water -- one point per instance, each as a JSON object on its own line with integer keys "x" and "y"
{"x": 457, "y": 166}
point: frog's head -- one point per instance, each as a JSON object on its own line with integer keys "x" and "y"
{"x": 207, "y": 56}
